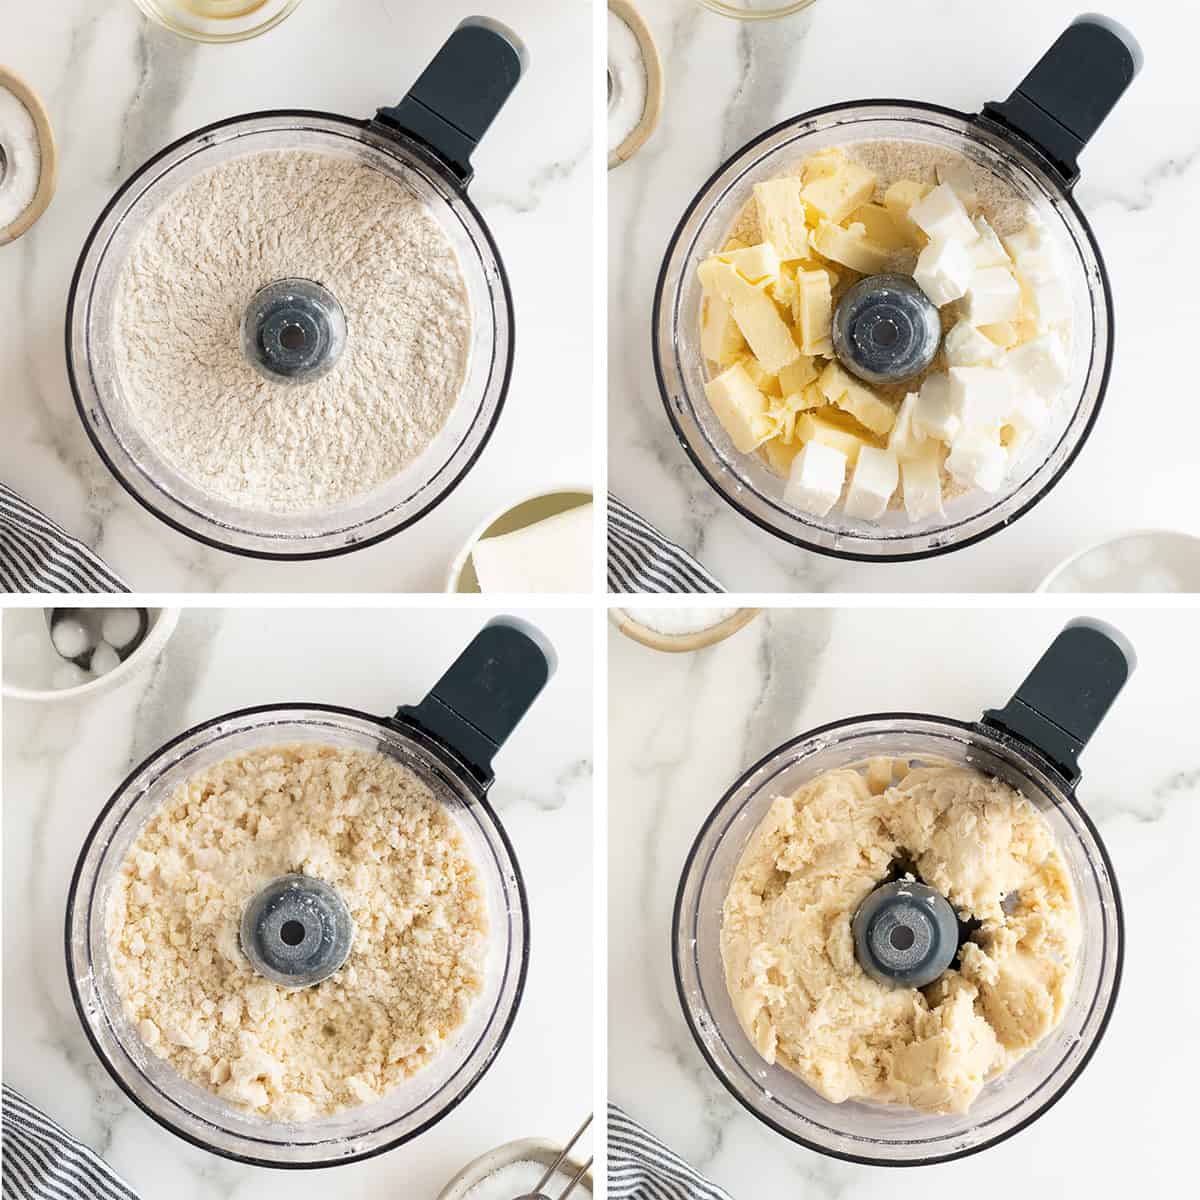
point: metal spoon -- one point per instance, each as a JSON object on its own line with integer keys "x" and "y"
{"x": 538, "y": 1194}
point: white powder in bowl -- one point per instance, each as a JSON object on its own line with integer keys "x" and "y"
{"x": 677, "y": 622}
{"x": 628, "y": 84}
{"x": 520, "y": 1178}
{"x": 21, "y": 166}
{"x": 265, "y": 446}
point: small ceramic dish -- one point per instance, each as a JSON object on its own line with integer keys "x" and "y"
{"x": 1146, "y": 560}
{"x": 162, "y": 626}
{"x": 528, "y": 1150}
{"x": 48, "y": 180}
{"x": 681, "y": 643}
{"x": 652, "y": 62}
{"x": 520, "y": 514}
{"x": 218, "y": 21}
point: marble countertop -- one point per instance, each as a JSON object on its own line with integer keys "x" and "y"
{"x": 683, "y": 727}
{"x": 119, "y": 89}
{"x": 61, "y": 763}
{"x": 727, "y": 81}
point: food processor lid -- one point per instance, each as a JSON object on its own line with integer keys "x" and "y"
{"x": 1067, "y": 694}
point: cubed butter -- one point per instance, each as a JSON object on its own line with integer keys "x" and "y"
{"x": 851, "y": 396}
{"x": 988, "y": 251}
{"x": 962, "y": 181}
{"x": 899, "y": 199}
{"x": 720, "y": 339}
{"x": 883, "y": 227}
{"x": 795, "y": 377}
{"x": 1004, "y": 335}
{"x": 1040, "y": 366}
{"x": 942, "y": 216}
{"x": 822, "y": 426}
{"x": 943, "y": 271}
{"x": 993, "y": 297}
{"x": 781, "y": 455}
{"x": 872, "y": 485}
{"x": 936, "y": 413}
{"x": 739, "y": 406}
{"x": 921, "y": 484}
{"x": 766, "y": 383}
{"x": 757, "y": 264}
{"x": 1046, "y": 301}
{"x": 816, "y": 478}
{"x": 1031, "y": 238}
{"x": 782, "y": 217}
{"x": 767, "y": 334}
{"x": 977, "y": 459}
{"x": 835, "y": 196}
{"x": 813, "y": 311}
{"x": 904, "y": 441}
{"x": 965, "y": 346}
{"x": 851, "y": 247}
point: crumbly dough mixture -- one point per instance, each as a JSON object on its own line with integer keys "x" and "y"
{"x": 798, "y": 989}
{"x": 180, "y": 298}
{"x": 361, "y": 822}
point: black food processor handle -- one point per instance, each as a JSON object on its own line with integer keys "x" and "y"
{"x": 1066, "y": 696}
{"x": 1063, "y": 101}
{"x": 481, "y": 699}
{"x": 461, "y": 92}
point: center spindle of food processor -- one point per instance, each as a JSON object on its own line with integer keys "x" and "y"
{"x": 905, "y": 934}
{"x": 293, "y": 331}
{"x": 886, "y": 330}
{"x": 297, "y": 931}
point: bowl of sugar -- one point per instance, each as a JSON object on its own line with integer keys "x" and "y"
{"x": 680, "y": 630}
{"x": 515, "y": 1169}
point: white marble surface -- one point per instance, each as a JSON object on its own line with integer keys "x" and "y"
{"x": 684, "y": 727}
{"x": 118, "y": 90}
{"x": 61, "y": 763}
{"x": 726, "y": 82}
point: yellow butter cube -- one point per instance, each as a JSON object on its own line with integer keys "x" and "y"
{"x": 783, "y": 290}
{"x": 834, "y": 197}
{"x": 813, "y": 312}
{"x": 764, "y": 380}
{"x": 1004, "y": 334}
{"x": 782, "y": 216}
{"x": 818, "y": 427}
{"x": 824, "y": 163}
{"x": 779, "y": 455}
{"x": 740, "y": 407}
{"x": 767, "y": 334}
{"x": 882, "y": 227}
{"x": 733, "y": 244}
{"x": 844, "y": 391}
{"x": 795, "y": 377}
{"x": 851, "y": 247}
{"x": 720, "y": 339}
{"x": 898, "y": 199}
{"x": 759, "y": 264}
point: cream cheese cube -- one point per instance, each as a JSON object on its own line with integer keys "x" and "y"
{"x": 721, "y": 340}
{"x": 756, "y": 264}
{"x": 977, "y": 459}
{"x": 988, "y": 251}
{"x": 813, "y": 312}
{"x": 844, "y": 391}
{"x": 1030, "y": 239}
{"x": 943, "y": 271}
{"x": 835, "y": 196}
{"x": 921, "y": 484}
{"x": 1047, "y": 301}
{"x": 782, "y": 216}
{"x": 1040, "y": 366}
{"x": 937, "y": 413}
{"x": 1028, "y": 418}
{"x": 982, "y": 396}
{"x": 874, "y": 482}
{"x": 993, "y": 297}
{"x": 851, "y": 247}
{"x": 904, "y": 441}
{"x": 740, "y": 407}
{"x": 962, "y": 181}
{"x": 815, "y": 481}
{"x": 943, "y": 217}
{"x": 965, "y": 346}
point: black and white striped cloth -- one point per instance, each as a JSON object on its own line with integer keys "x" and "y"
{"x": 38, "y": 555}
{"x": 640, "y": 1167}
{"x": 42, "y": 1161}
{"x": 640, "y": 559}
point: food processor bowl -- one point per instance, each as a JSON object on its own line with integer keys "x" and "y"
{"x": 424, "y": 145}
{"x": 889, "y": 1135}
{"x": 489, "y": 689}
{"x": 1039, "y": 169}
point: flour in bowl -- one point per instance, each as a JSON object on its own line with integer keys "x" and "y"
{"x": 367, "y": 826}
{"x": 264, "y": 446}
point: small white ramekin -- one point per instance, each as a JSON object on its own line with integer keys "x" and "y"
{"x": 528, "y": 1150}
{"x": 162, "y": 626}
{"x": 1178, "y": 537}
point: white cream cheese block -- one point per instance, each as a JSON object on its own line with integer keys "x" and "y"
{"x": 554, "y": 555}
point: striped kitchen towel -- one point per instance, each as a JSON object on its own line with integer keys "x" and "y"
{"x": 38, "y": 555}
{"x": 640, "y": 559}
{"x": 42, "y": 1161}
{"x": 640, "y": 1167}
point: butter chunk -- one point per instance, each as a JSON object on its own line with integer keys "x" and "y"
{"x": 899, "y": 199}
{"x": 766, "y": 333}
{"x": 942, "y": 216}
{"x": 851, "y": 247}
{"x": 782, "y": 216}
{"x": 966, "y": 346}
{"x": 961, "y": 180}
{"x": 756, "y": 264}
{"x": 904, "y": 441}
{"x": 921, "y": 484}
{"x": 937, "y": 413}
{"x": 835, "y": 196}
{"x": 795, "y": 377}
{"x": 822, "y": 426}
{"x": 781, "y": 455}
{"x": 988, "y": 251}
{"x": 816, "y": 478}
{"x": 1040, "y": 366}
{"x": 739, "y": 405}
{"x": 813, "y": 312}
{"x": 720, "y": 339}
{"x": 763, "y": 379}
{"x": 874, "y": 482}
{"x": 1005, "y": 334}
{"x": 883, "y": 227}
{"x": 844, "y": 391}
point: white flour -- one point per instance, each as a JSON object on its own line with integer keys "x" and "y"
{"x": 248, "y": 222}
{"x": 22, "y": 169}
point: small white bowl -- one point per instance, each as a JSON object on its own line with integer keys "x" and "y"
{"x": 517, "y": 514}
{"x": 681, "y": 643}
{"x": 1145, "y": 552}
{"x": 162, "y": 626}
{"x": 528, "y": 1150}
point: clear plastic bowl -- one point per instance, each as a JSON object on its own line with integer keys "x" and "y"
{"x": 876, "y": 1134}
{"x": 153, "y": 481}
{"x": 199, "y": 1116}
{"x": 745, "y": 481}
{"x": 218, "y": 21}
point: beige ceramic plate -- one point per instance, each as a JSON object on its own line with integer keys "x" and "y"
{"x": 49, "y": 177}
{"x": 654, "y": 83}
{"x": 681, "y": 643}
